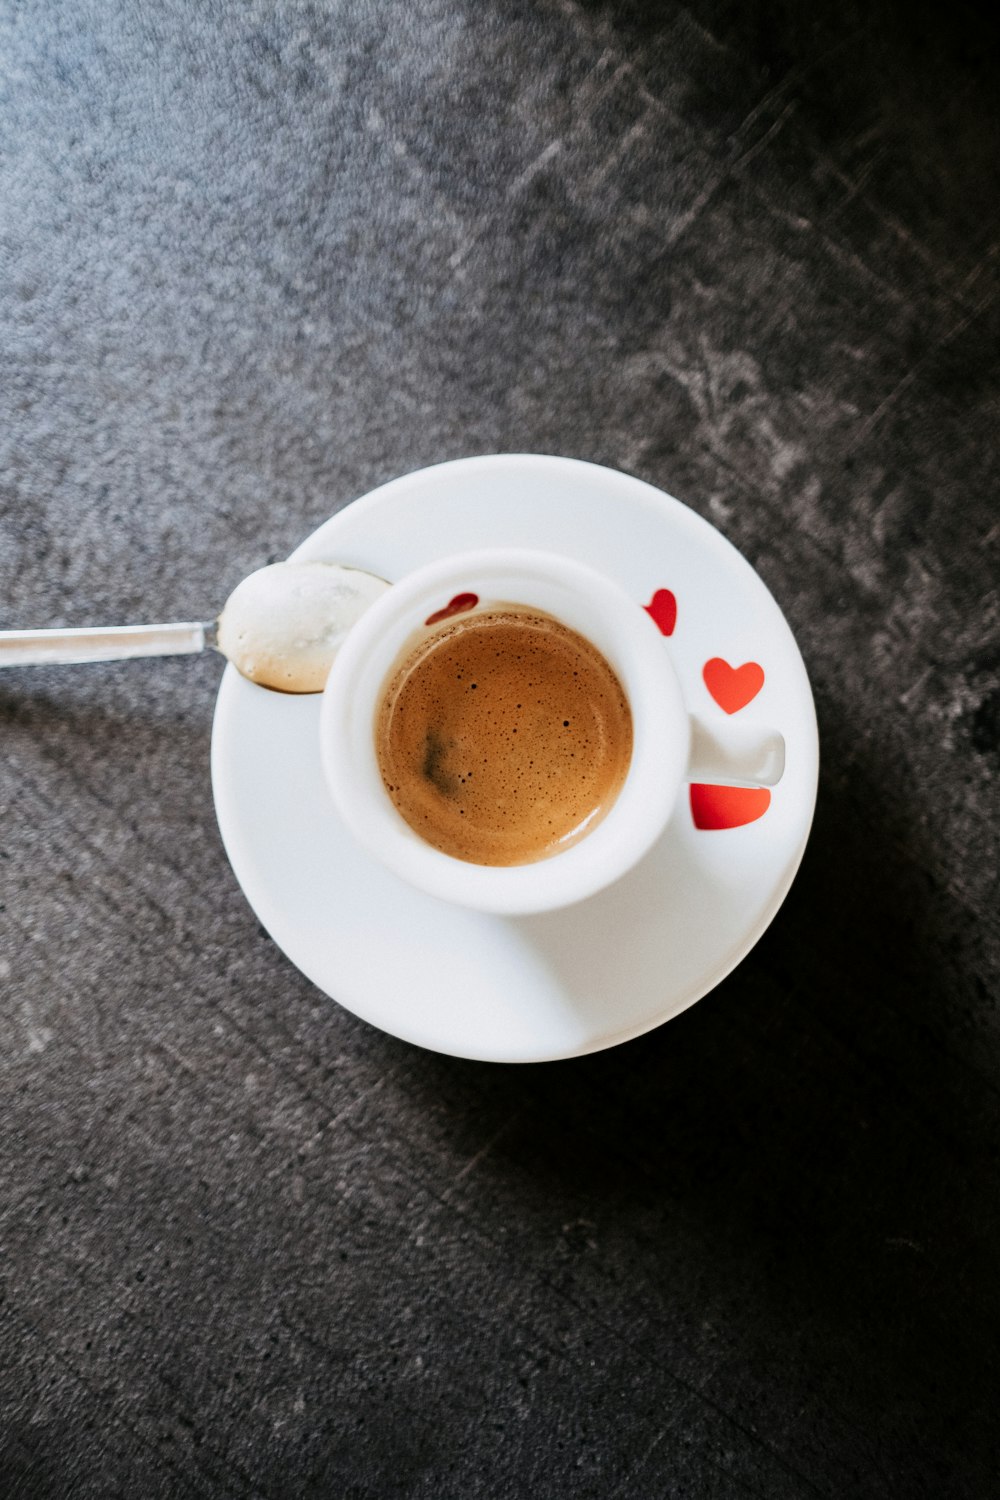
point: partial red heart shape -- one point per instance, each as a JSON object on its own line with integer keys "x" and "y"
{"x": 733, "y": 687}
{"x": 454, "y": 606}
{"x": 727, "y": 806}
{"x": 663, "y": 608}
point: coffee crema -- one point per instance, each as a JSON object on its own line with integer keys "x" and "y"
{"x": 503, "y": 737}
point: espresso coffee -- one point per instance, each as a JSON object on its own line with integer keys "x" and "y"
{"x": 503, "y": 737}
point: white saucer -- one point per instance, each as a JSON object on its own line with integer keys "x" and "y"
{"x": 524, "y": 989}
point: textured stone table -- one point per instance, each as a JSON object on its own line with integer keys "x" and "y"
{"x": 254, "y": 259}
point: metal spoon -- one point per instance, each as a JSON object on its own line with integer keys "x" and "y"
{"x": 281, "y": 628}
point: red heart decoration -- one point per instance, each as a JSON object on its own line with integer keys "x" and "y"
{"x": 733, "y": 687}
{"x": 727, "y": 806}
{"x": 663, "y": 608}
{"x": 454, "y": 606}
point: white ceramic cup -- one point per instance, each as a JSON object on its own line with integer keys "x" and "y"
{"x": 668, "y": 746}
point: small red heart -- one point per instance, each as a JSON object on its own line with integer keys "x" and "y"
{"x": 455, "y": 606}
{"x": 727, "y": 806}
{"x": 733, "y": 687}
{"x": 663, "y": 608}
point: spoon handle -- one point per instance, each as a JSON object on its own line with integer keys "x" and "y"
{"x": 35, "y": 648}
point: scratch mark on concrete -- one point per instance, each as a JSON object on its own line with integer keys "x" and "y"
{"x": 534, "y": 167}
{"x": 916, "y": 369}
{"x": 979, "y": 268}
{"x": 771, "y": 97}
{"x": 617, "y": 153}
{"x": 483, "y": 1151}
{"x": 779, "y": 124}
{"x": 682, "y": 224}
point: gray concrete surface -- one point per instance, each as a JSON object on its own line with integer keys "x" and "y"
{"x": 255, "y": 259}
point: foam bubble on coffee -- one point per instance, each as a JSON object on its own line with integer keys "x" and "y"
{"x": 282, "y": 626}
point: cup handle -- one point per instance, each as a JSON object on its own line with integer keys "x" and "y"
{"x": 735, "y": 754}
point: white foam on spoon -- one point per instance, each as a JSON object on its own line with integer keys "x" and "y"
{"x": 282, "y": 626}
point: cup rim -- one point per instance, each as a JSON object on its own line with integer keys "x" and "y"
{"x": 605, "y": 614}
